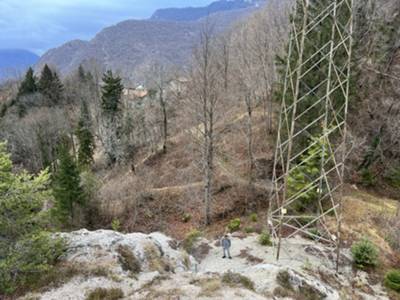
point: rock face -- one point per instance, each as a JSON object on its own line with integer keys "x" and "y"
{"x": 105, "y": 248}
{"x": 151, "y": 266}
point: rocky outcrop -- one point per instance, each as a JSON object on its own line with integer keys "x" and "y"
{"x": 151, "y": 266}
{"x": 110, "y": 248}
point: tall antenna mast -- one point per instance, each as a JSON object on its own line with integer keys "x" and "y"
{"x": 310, "y": 154}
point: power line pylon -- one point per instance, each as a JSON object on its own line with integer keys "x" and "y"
{"x": 311, "y": 144}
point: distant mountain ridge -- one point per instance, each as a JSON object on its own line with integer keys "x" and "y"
{"x": 196, "y": 13}
{"x": 13, "y": 62}
{"x": 130, "y": 46}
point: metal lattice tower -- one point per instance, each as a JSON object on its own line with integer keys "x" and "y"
{"x": 310, "y": 152}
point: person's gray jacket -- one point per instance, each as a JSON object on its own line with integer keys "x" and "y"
{"x": 226, "y": 243}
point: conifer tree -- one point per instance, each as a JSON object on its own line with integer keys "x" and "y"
{"x": 67, "y": 185}
{"x": 85, "y": 137}
{"x": 315, "y": 55}
{"x": 50, "y": 85}
{"x": 111, "y": 93}
{"x": 112, "y": 123}
{"x": 57, "y": 88}
{"x": 27, "y": 250}
{"x": 28, "y": 85}
{"x": 46, "y": 79}
{"x": 81, "y": 73}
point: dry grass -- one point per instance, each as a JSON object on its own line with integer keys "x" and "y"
{"x": 236, "y": 279}
{"x": 210, "y": 287}
{"x": 155, "y": 260}
{"x": 167, "y": 186}
{"x": 366, "y": 215}
{"x": 251, "y": 259}
{"x": 170, "y": 294}
{"x": 128, "y": 260}
{"x": 105, "y": 294}
{"x": 65, "y": 272}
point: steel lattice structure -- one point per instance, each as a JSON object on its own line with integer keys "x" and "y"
{"x": 311, "y": 149}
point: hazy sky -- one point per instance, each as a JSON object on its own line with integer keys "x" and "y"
{"x": 38, "y": 25}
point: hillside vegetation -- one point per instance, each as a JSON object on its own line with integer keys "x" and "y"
{"x": 190, "y": 155}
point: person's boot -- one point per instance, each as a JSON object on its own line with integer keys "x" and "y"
{"x": 230, "y": 257}
{"x": 224, "y": 256}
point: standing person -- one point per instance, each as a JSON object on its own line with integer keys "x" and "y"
{"x": 226, "y": 246}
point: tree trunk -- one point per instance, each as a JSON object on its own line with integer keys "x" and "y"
{"x": 250, "y": 145}
{"x": 209, "y": 172}
{"x": 165, "y": 121}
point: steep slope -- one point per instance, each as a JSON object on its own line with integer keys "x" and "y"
{"x": 126, "y": 47}
{"x": 196, "y": 13}
{"x": 15, "y": 61}
{"x": 129, "y": 47}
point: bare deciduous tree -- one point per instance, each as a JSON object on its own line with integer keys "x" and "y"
{"x": 204, "y": 96}
{"x": 256, "y": 44}
{"x": 158, "y": 80}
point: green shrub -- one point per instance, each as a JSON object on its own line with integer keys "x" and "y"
{"x": 128, "y": 260}
{"x": 392, "y": 280}
{"x": 235, "y": 279}
{"x": 265, "y": 239}
{"x": 29, "y": 261}
{"x": 27, "y": 249}
{"x": 105, "y": 294}
{"x": 253, "y": 217}
{"x": 303, "y": 176}
{"x": 186, "y": 217}
{"x": 315, "y": 234}
{"x": 367, "y": 177}
{"x": 90, "y": 183}
{"x": 249, "y": 229}
{"x": 365, "y": 254}
{"x": 394, "y": 177}
{"x": 234, "y": 225}
{"x": 116, "y": 225}
{"x": 190, "y": 239}
{"x": 304, "y": 220}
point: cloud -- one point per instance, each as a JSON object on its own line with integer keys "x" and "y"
{"x": 38, "y": 25}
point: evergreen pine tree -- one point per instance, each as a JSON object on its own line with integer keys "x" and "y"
{"x": 57, "y": 89}
{"x": 315, "y": 56}
{"x": 85, "y": 137}
{"x": 44, "y": 149}
{"x": 81, "y": 73}
{"x": 111, "y": 93}
{"x": 46, "y": 79}
{"x": 27, "y": 250}
{"x": 28, "y": 85}
{"x": 67, "y": 185}
{"x": 50, "y": 85}
{"x": 111, "y": 109}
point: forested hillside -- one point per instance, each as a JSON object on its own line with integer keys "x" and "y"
{"x": 130, "y": 46}
{"x": 190, "y": 154}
